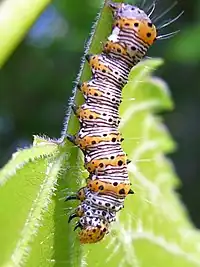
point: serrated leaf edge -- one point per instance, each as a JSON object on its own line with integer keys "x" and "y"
{"x": 11, "y": 167}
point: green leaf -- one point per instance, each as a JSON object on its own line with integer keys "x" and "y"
{"x": 46, "y": 185}
{"x": 152, "y": 230}
{"x": 16, "y": 17}
{"x": 23, "y": 156}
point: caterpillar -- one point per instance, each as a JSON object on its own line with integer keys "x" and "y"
{"x": 98, "y": 138}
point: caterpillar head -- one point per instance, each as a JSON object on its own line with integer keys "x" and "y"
{"x": 128, "y": 16}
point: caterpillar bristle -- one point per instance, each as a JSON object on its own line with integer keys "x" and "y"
{"x": 148, "y": 8}
{"x": 156, "y": 18}
{"x": 170, "y": 21}
{"x": 142, "y": 4}
{"x": 168, "y": 35}
{"x": 152, "y": 9}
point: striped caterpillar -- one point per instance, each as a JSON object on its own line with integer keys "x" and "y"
{"x": 99, "y": 139}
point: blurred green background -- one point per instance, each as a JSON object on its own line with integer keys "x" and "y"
{"x": 38, "y": 78}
